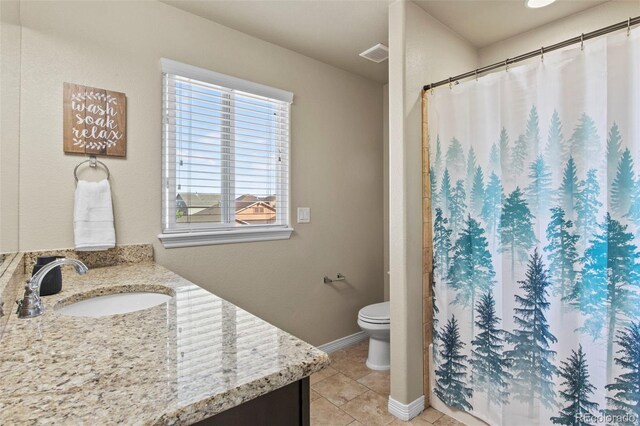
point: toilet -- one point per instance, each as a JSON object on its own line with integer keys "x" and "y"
{"x": 375, "y": 321}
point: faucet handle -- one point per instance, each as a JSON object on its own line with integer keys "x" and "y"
{"x": 31, "y": 304}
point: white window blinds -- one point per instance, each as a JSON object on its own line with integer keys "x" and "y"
{"x": 225, "y": 152}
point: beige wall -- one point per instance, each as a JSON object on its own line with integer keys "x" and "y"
{"x": 422, "y": 50}
{"x": 591, "y": 19}
{"x": 336, "y": 154}
{"x": 9, "y": 123}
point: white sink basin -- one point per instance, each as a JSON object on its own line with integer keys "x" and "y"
{"x": 112, "y": 304}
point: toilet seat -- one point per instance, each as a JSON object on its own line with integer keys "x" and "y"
{"x": 377, "y": 313}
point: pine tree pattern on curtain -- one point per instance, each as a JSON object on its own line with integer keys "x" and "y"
{"x": 535, "y": 187}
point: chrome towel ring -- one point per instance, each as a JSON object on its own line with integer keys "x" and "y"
{"x": 93, "y": 163}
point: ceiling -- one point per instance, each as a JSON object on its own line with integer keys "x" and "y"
{"x": 484, "y": 22}
{"x": 336, "y": 31}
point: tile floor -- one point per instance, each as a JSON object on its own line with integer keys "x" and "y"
{"x": 348, "y": 393}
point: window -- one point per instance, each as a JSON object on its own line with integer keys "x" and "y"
{"x": 225, "y": 158}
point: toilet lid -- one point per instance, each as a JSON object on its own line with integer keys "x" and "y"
{"x": 378, "y": 313}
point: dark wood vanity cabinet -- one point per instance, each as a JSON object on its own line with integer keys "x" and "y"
{"x": 287, "y": 406}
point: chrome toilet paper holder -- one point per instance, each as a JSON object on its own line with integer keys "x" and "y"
{"x": 338, "y": 277}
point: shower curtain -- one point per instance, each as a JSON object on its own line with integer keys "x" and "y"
{"x": 535, "y": 196}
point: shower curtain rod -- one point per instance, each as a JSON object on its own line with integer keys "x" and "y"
{"x": 580, "y": 39}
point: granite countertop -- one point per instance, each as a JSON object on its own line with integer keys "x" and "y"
{"x": 176, "y": 363}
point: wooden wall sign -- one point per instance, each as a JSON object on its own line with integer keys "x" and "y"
{"x": 95, "y": 121}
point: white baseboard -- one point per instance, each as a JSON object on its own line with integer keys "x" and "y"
{"x": 343, "y": 342}
{"x": 408, "y": 411}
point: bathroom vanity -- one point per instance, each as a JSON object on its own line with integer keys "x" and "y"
{"x": 196, "y": 359}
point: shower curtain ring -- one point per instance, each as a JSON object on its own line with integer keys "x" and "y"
{"x": 432, "y": 88}
{"x": 542, "y": 54}
{"x": 506, "y": 65}
{"x": 582, "y": 41}
{"x": 450, "y": 87}
{"x": 628, "y": 26}
{"x": 476, "y": 75}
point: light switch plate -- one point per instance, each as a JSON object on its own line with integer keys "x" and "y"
{"x": 304, "y": 214}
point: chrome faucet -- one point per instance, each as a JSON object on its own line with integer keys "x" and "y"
{"x": 31, "y": 304}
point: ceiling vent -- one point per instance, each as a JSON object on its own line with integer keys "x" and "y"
{"x": 377, "y": 53}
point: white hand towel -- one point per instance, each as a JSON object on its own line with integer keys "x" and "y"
{"x": 93, "y": 216}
